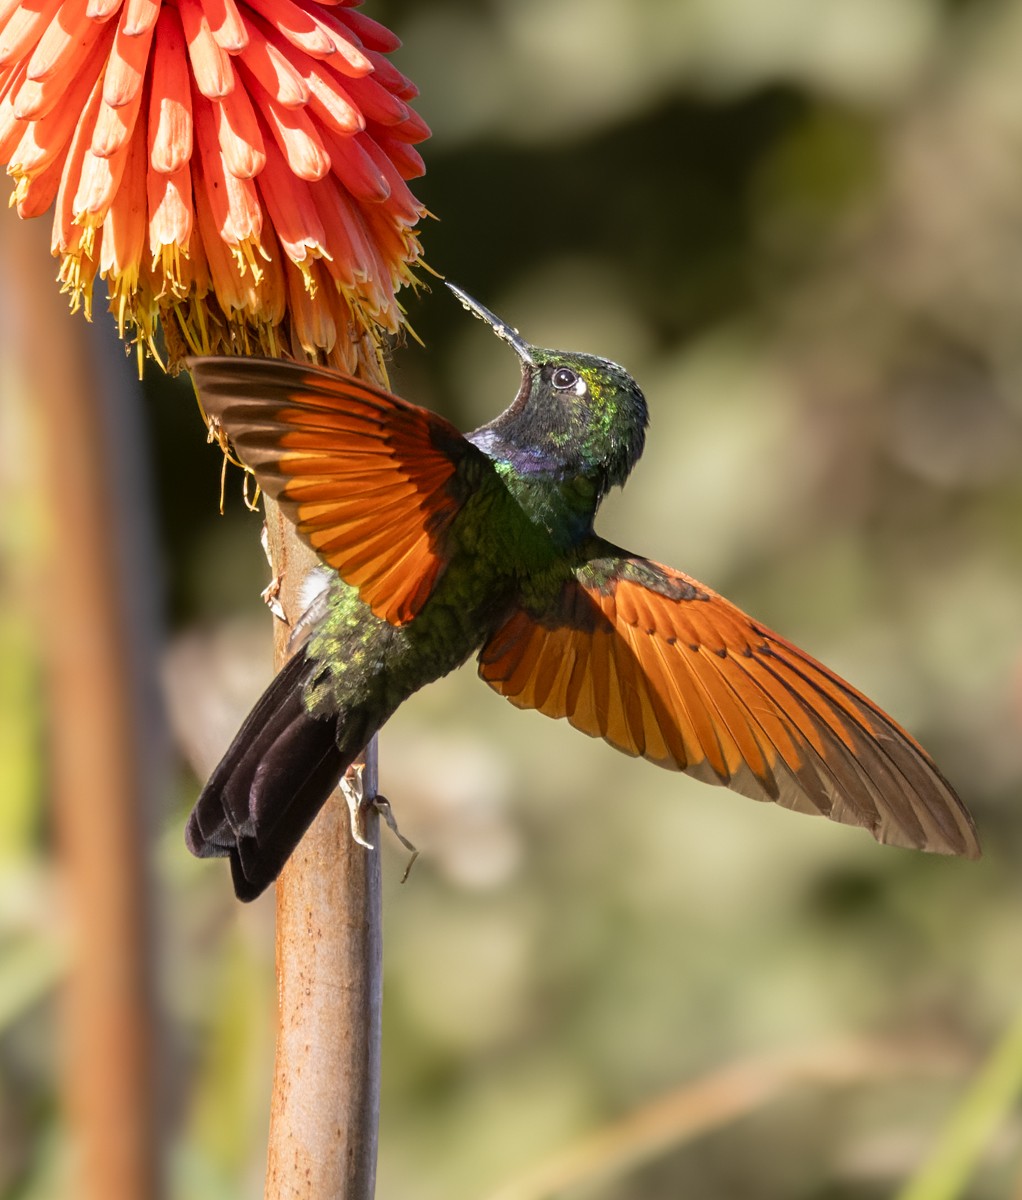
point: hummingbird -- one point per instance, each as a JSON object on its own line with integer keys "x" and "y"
{"x": 436, "y": 545}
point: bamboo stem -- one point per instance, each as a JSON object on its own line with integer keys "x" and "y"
{"x": 326, "y": 1091}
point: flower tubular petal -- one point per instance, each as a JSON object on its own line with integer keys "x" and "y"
{"x": 61, "y": 40}
{"x": 169, "y": 201}
{"x": 25, "y": 27}
{"x": 355, "y": 169}
{"x": 140, "y": 16}
{"x": 241, "y": 141}
{"x": 170, "y": 102}
{"x": 291, "y": 210}
{"x": 226, "y": 24}
{"x": 295, "y": 134}
{"x": 272, "y": 66}
{"x": 102, "y": 10}
{"x": 211, "y": 64}
{"x": 233, "y": 202}
{"x": 126, "y": 68}
{"x": 297, "y": 25}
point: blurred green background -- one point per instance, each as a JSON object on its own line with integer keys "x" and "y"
{"x": 798, "y": 223}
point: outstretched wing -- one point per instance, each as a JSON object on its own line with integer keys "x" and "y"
{"x": 371, "y": 482}
{"x": 661, "y": 666}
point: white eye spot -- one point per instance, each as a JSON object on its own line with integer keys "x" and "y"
{"x": 565, "y": 379}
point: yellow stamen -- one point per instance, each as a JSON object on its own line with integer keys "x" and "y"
{"x": 245, "y": 255}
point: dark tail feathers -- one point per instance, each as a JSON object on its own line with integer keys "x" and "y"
{"x": 271, "y": 783}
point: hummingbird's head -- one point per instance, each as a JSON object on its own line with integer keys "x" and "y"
{"x": 575, "y": 414}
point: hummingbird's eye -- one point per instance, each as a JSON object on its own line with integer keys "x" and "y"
{"x": 564, "y": 378}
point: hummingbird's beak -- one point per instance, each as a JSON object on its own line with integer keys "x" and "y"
{"x": 504, "y": 331}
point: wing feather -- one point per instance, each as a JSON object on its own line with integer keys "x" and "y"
{"x": 661, "y": 666}
{"x": 372, "y": 483}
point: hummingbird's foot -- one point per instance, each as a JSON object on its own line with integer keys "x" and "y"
{"x": 353, "y": 791}
{"x": 270, "y": 595}
{"x": 382, "y": 806}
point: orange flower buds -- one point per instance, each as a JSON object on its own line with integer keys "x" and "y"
{"x": 234, "y": 170}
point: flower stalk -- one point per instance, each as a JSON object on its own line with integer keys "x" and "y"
{"x": 324, "y": 1116}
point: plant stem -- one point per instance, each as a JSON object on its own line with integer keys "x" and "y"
{"x": 988, "y": 1103}
{"x": 326, "y": 1090}
{"x": 707, "y": 1104}
{"x": 99, "y": 738}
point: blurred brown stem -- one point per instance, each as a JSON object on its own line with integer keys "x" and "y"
{"x": 326, "y": 1090}
{"x": 716, "y": 1100}
{"x": 97, "y": 734}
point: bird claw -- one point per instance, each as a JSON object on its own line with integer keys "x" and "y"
{"x": 353, "y": 790}
{"x": 383, "y": 807}
{"x": 270, "y": 596}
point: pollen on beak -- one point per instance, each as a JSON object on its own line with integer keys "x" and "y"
{"x": 501, "y": 328}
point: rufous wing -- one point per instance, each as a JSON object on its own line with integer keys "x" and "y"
{"x": 371, "y": 482}
{"x": 660, "y": 666}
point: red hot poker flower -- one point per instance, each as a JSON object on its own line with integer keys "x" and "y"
{"x": 236, "y": 171}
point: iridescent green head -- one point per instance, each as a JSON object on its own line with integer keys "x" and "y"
{"x": 575, "y": 414}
